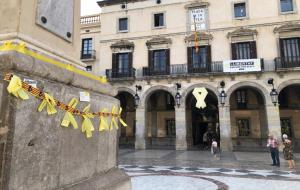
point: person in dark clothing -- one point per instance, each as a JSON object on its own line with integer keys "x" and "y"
{"x": 273, "y": 145}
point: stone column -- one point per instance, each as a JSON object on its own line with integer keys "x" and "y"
{"x": 180, "y": 119}
{"x": 225, "y": 128}
{"x": 273, "y": 120}
{"x": 140, "y": 132}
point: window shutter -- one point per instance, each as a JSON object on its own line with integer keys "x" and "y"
{"x": 281, "y": 46}
{"x": 150, "y": 60}
{"x": 253, "y": 52}
{"x": 189, "y": 58}
{"x": 114, "y": 64}
{"x": 208, "y": 57}
{"x": 233, "y": 51}
{"x": 130, "y": 63}
{"x": 167, "y": 60}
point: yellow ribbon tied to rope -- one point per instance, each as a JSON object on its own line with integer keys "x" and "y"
{"x": 69, "y": 118}
{"x": 87, "y": 126}
{"x": 103, "y": 121}
{"x": 15, "y": 88}
{"x": 120, "y": 119}
{"x": 49, "y": 102}
{"x": 113, "y": 121}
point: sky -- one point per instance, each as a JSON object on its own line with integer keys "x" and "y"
{"x": 89, "y": 7}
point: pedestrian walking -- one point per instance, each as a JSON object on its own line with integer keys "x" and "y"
{"x": 214, "y": 147}
{"x": 288, "y": 151}
{"x": 273, "y": 145}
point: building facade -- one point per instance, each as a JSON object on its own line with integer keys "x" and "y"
{"x": 90, "y": 34}
{"x": 159, "y": 51}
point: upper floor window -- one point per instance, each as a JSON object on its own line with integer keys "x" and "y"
{"x": 159, "y": 60}
{"x": 122, "y": 64}
{"x": 243, "y": 50}
{"x": 286, "y": 6}
{"x": 87, "y": 48}
{"x": 240, "y": 10}
{"x": 241, "y": 99}
{"x": 290, "y": 48}
{"x": 159, "y": 20}
{"x": 123, "y": 24}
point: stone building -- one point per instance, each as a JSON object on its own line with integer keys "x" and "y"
{"x": 90, "y": 34}
{"x": 156, "y": 52}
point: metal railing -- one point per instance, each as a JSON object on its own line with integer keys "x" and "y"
{"x": 88, "y": 55}
{"x": 287, "y": 62}
{"x": 90, "y": 19}
{"x": 123, "y": 73}
{"x": 152, "y": 72}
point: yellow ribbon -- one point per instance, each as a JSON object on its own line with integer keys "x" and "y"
{"x": 120, "y": 119}
{"x": 21, "y": 48}
{"x": 49, "y": 102}
{"x": 15, "y": 88}
{"x": 87, "y": 125}
{"x": 69, "y": 118}
{"x": 103, "y": 121}
{"x": 113, "y": 121}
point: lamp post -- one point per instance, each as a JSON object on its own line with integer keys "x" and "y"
{"x": 178, "y": 96}
{"x": 136, "y": 96}
{"x": 223, "y": 94}
{"x": 273, "y": 93}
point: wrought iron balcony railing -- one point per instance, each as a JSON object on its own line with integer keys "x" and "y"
{"x": 121, "y": 73}
{"x": 153, "y": 72}
{"x": 88, "y": 55}
{"x": 287, "y": 62}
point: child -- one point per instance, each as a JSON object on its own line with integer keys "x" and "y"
{"x": 214, "y": 146}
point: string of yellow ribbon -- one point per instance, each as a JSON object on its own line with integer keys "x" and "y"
{"x": 21, "y": 48}
{"x": 19, "y": 89}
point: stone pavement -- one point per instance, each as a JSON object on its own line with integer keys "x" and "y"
{"x": 198, "y": 170}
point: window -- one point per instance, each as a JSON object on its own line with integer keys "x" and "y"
{"x": 123, "y": 24}
{"x": 170, "y": 127}
{"x": 241, "y": 99}
{"x": 159, "y": 20}
{"x": 169, "y": 102}
{"x": 200, "y": 58}
{"x": 159, "y": 63}
{"x": 240, "y": 10}
{"x": 243, "y": 127}
{"x": 244, "y": 50}
{"x": 290, "y": 47}
{"x": 87, "y": 48}
{"x": 286, "y": 6}
{"x": 123, "y": 62}
{"x": 286, "y": 126}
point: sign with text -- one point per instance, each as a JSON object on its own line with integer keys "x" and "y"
{"x": 242, "y": 65}
{"x": 198, "y": 19}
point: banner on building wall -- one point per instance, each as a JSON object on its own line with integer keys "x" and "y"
{"x": 198, "y": 19}
{"x": 242, "y": 65}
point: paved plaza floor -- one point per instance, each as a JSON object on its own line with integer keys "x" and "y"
{"x": 198, "y": 170}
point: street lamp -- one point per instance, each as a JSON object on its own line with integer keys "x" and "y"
{"x": 223, "y": 94}
{"x": 178, "y": 96}
{"x": 136, "y": 96}
{"x": 273, "y": 93}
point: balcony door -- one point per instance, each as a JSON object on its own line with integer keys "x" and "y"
{"x": 122, "y": 64}
{"x": 243, "y": 50}
{"x": 87, "y": 48}
{"x": 290, "y": 52}
{"x": 199, "y": 60}
{"x": 159, "y": 62}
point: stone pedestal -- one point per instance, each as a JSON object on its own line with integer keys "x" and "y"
{"x": 37, "y": 153}
{"x": 180, "y": 119}
{"x": 225, "y": 128}
{"x": 140, "y": 132}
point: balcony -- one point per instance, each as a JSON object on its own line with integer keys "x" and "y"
{"x": 113, "y": 74}
{"x": 287, "y": 62}
{"x": 90, "y": 19}
{"x": 151, "y": 72}
{"x": 89, "y": 55}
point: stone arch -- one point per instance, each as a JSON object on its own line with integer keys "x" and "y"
{"x": 261, "y": 89}
{"x": 153, "y": 89}
{"x": 125, "y": 89}
{"x": 284, "y": 84}
{"x": 188, "y": 90}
